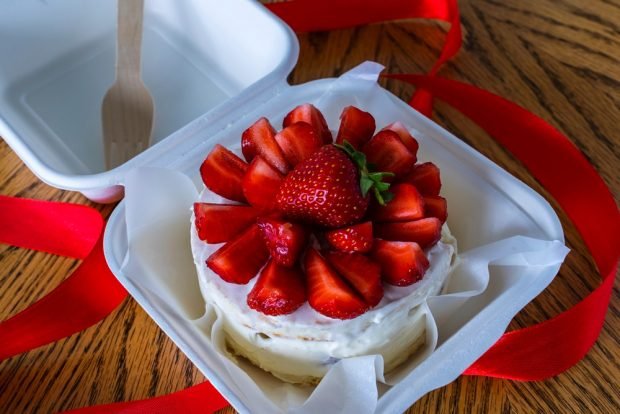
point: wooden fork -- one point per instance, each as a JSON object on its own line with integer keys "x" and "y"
{"x": 127, "y": 108}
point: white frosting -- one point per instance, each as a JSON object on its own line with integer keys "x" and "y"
{"x": 301, "y": 346}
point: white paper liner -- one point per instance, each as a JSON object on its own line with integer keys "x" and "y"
{"x": 158, "y": 205}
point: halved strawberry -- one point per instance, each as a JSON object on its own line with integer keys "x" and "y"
{"x": 436, "y": 206}
{"x": 218, "y": 223}
{"x": 240, "y": 259}
{"x": 426, "y": 178}
{"x": 285, "y": 241}
{"x": 261, "y": 183}
{"x": 356, "y": 238}
{"x": 222, "y": 172}
{"x": 356, "y": 127}
{"x": 298, "y": 141}
{"x": 410, "y": 142}
{"x": 402, "y": 263}
{"x": 406, "y": 205}
{"x": 259, "y": 139}
{"x": 278, "y": 290}
{"x": 386, "y": 152}
{"x": 310, "y": 114}
{"x": 426, "y": 232}
{"x": 328, "y": 294}
{"x": 361, "y": 272}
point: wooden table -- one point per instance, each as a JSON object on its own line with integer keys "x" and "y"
{"x": 560, "y": 59}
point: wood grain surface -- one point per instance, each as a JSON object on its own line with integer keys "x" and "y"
{"x": 557, "y": 58}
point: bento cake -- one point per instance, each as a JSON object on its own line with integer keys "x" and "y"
{"x": 314, "y": 251}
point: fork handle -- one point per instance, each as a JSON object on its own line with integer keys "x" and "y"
{"x": 129, "y": 37}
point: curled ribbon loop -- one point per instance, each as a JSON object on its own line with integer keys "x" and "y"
{"x": 81, "y": 300}
{"x": 551, "y": 347}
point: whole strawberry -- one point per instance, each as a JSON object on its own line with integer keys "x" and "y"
{"x": 330, "y": 188}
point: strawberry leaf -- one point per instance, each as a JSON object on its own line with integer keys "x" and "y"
{"x": 381, "y": 186}
{"x": 368, "y": 180}
{"x": 365, "y": 185}
{"x": 378, "y": 176}
{"x": 387, "y": 196}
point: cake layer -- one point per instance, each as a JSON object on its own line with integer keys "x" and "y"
{"x": 300, "y": 347}
{"x": 300, "y": 360}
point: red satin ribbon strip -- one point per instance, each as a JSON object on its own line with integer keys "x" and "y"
{"x": 81, "y": 300}
{"x": 549, "y": 348}
{"x": 199, "y": 399}
{"x": 58, "y": 228}
{"x": 320, "y": 15}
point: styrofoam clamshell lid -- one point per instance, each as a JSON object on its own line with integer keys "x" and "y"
{"x": 202, "y": 60}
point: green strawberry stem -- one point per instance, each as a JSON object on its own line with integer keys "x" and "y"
{"x": 369, "y": 181}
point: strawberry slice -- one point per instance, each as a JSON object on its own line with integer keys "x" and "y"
{"x": 298, "y": 141}
{"x": 386, "y": 152}
{"x": 328, "y": 294}
{"x": 218, "y": 223}
{"x": 278, "y": 290}
{"x": 425, "y": 232}
{"x": 259, "y": 139}
{"x": 222, "y": 172}
{"x": 240, "y": 259}
{"x": 310, "y": 114}
{"x": 436, "y": 206}
{"x": 361, "y": 272}
{"x": 356, "y": 127}
{"x": 357, "y": 238}
{"x": 285, "y": 241}
{"x": 402, "y": 263}
{"x": 257, "y": 133}
{"x": 406, "y": 205}
{"x": 410, "y": 142}
{"x": 261, "y": 183}
{"x": 426, "y": 179}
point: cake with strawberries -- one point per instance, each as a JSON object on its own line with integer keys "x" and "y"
{"x": 312, "y": 249}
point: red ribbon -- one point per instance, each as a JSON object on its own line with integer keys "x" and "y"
{"x": 537, "y": 352}
{"x": 320, "y": 15}
{"x": 549, "y": 348}
{"x": 84, "y": 298}
{"x": 201, "y": 398}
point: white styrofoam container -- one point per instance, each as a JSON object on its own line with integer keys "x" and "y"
{"x": 200, "y": 59}
{"x": 213, "y": 68}
{"x": 494, "y": 204}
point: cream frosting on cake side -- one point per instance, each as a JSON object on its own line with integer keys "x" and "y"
{"x": 300, "y": 347}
